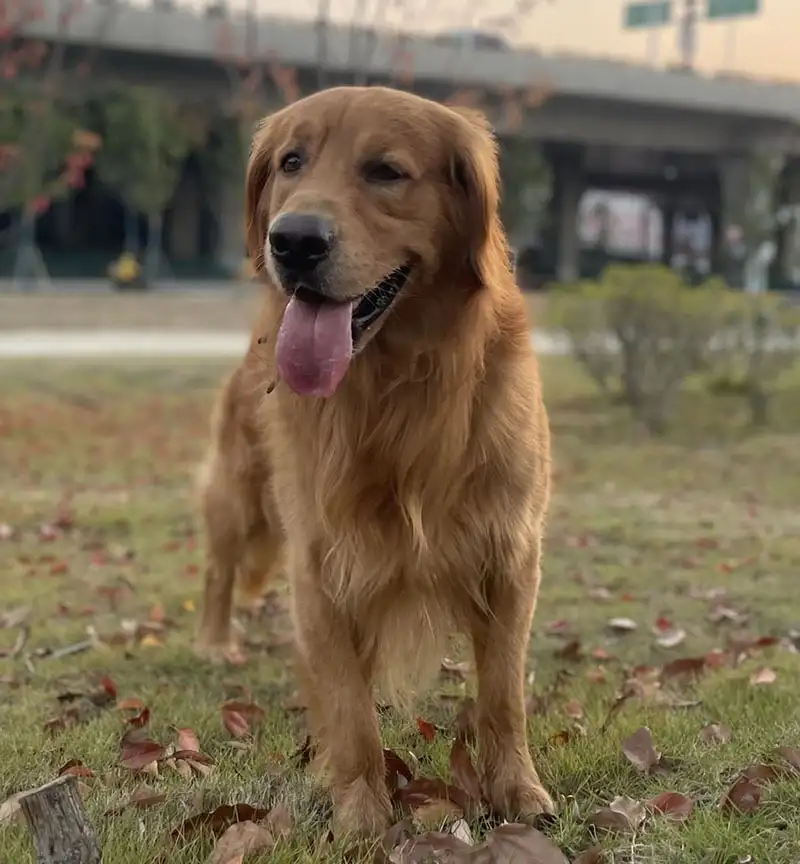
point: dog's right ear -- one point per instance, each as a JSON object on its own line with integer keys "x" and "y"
{"x": 259, "y": 167}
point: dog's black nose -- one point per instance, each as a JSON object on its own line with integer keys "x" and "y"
{"x": 299, "y": 242}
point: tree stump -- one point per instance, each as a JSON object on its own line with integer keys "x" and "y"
{"x": 61, "y": 831}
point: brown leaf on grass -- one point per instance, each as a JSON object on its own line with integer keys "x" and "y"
{"x": 571, "y": 652}
{"x": 436, "y": 813}
{"x": 763, "y": 676}
{"x": 10, "y": 809}
{"x": 426, "y": 729}
{"x": 594, "y": 855}
{"x": 240, "y": 840}
{"x": 640, "y": 751}
{"x": 683, "y": 667}
{"x": 515, "y": 842}
{"x": 397, "y": 771}
{"x": 217, "y": 821}
{"x": 142, "y": 798}
{"x": 76, "y": 768}
{"x": 673, "y": 805}
{"x": 130, "y": 704}
{"x": 623, "y": 815}
{"x": 239, "y": 718}
{"x": 716, "y": 733}
{"x": 622, "y": 625}
{"x": 791, "y": 755}
{"x": 188, "y": 761}
{"x": 744, "y": 796}
{"x": 463, "y": 772}
{"x": 188, "y": 740}
{"x": 422, "y": 790}
{"x": 137, "y": 751}
{"x": 139, "y": 720}
{"x": 433, "y": 846}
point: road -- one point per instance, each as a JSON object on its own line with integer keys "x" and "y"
{"x": 63, "y": 344}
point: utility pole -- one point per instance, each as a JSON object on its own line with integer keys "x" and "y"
{"x": 687, "y": 35}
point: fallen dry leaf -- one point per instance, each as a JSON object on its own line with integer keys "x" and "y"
{"x": 744, "y": 796}
{"x": 673, "y": 805}
{"x": 240, "y": 718}
{"x": 436, "y": 846}
{"x": 137, "y": 751}
{"x": 76, "y": 768}
{"x": 422, "y": 790}
{"x": 763, "y": 676}
{"x": 142, "y": 798}
{"x": 10, "y": 809}
{"x": 671, "y": 638}
{"x": 427, "y": 730}
{"x": 640, "y": 751}
{"x": 791, "y": 755}
{"x": 623, "y": 815}
{"x": 514, "y": 842}
{"x": 188, "y": 740}
{"x": 716, "y": 733}
{"x": 622, "y": 625}
{"x": 397, "y": 771}
{"x": 464, "y": 775}
{"x": 240, "y": 840}
{"x": 594, "y": 855}
{"x": 217, "y": 821}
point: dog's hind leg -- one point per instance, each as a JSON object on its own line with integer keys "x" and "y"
{"x": 225, "y": 521}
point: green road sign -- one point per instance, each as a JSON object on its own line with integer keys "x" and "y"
{"x": 732, "y": 8}
{"x": 654, "y": 14}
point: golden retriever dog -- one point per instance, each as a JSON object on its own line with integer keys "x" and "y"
{"x": 384, "y": 441}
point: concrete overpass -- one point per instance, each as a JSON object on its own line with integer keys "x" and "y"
{"x": 605, "y": 123}
{"x": 590, "y": 101}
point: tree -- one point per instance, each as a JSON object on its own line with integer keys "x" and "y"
{"x": 44, "y": 151}
{"x": 254, "y": 81}
{"x": 146, "y": 139}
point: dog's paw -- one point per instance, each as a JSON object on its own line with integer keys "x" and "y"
{"x": 360, "y": 811}
{"x": 220, "y": 654}
{"x": 520, "y": 800}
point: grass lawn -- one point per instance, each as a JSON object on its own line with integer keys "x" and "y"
{"x": 657, "y": 552}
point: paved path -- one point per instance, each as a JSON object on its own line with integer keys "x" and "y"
{"x": 61, "y": 344}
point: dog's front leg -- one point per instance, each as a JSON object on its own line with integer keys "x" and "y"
{"x": 336, "y": 689}
{"x": 500, "y": 636}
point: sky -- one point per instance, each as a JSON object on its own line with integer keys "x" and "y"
{"x": 763, "y": 46}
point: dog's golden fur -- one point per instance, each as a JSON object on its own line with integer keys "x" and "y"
{"x": 412, "y": 501}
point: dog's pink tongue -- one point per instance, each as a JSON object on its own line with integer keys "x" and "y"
{"x": 315, "y": 344}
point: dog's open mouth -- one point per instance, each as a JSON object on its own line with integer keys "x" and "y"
{"x": 319, "y": 336}
{"x": 376, "y": 301}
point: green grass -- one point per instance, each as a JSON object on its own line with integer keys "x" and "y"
{"x": 639, "y": 529}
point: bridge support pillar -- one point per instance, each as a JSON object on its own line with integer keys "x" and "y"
{"x": 568, "y": 187}
{"x": 230, "y": 224}
{"x": 734, "y": 183}
{"x": 789, "y": 234}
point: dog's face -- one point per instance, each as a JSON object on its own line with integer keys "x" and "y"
{"x": 356, "y": 196}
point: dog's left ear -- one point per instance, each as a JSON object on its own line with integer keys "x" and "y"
{"x": 475, "y": 175}
{"x": 258, "y": 174}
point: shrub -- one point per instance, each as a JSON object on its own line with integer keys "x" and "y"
{"x": 758, "y": 341}
{"x": 661, "y": 333}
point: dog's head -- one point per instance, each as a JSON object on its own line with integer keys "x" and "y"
{"x": 357, "y": 197}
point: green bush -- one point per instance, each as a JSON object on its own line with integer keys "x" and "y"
{"x": 759, "y": 340}
{"x": 663, "y": 331}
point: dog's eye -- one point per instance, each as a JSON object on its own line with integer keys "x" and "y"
{"x": 382, "y": 172}
{"x": 291, "y": 162}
